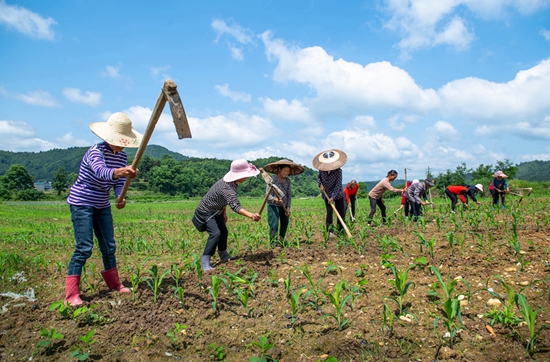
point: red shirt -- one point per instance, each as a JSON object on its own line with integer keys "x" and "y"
{"x": 458, "y": 190}
{"x": 350, "y": 191}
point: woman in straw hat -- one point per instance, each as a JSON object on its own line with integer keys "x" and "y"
{"x": 499, "y": 187}
{"x": 276, "y": 213}
{"x": 104, "y": 166}
{"x": 329, "y": 179}
{"x": 376, "y": 195}
{"x": 210, "y": 215}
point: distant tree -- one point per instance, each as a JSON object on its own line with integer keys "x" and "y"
{"x": 17, "y": 178}
{"x": 507, "y": 167}
{"x": 451, "y": 178}
{"x": 71, "y": 178}
{"x": 482, "y": 175}
{"x": 60, "y": 180}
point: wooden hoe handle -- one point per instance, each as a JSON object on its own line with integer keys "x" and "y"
{"x": 338, "y": 216}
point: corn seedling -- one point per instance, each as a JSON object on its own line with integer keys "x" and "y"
{"x": 214, "y": 292}
{"x": 401, "y": 285}
{"x": 506, "y": 316}
{"x": 174, "y": 333}
{"x": 530, "y": 316}
{"x": 388, "y": 321}
{"x": 155, "y": 280}
{"x": 243, "y": 296}
{"x": 314, "y": 287}
{"x": 87, "y": 341}
{"x": 338, "y": 302}
{"x": 264, "y": 346}
{"x": 49, "y": 337}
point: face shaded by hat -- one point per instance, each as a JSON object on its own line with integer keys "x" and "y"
{"x": 117, "y": 131}
{"x": 330, "y": 160}
{"x": 274, "y": 167}
{"x": 240, "y": 169}
{"x": 429, "y": 181}
{"x": 499, "y": 174}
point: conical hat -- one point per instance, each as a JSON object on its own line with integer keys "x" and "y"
{"x": 273, "y": 167}
{"x": 330, "y": 160}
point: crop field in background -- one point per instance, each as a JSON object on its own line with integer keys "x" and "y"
{"x": 470, "y": 286}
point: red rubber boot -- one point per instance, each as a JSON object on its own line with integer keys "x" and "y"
{"x": 111, "y": 278}
{"x": 72, "y": 290}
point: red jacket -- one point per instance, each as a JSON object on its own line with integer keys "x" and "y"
{"x": 458, "y": 190}
{"x": 350, "y": 191}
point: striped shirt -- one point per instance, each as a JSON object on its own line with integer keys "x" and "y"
{"x": 332, "y": 181}
{"x": 284, "y": 187}
{"x": 220, "y": 194}
{"x": 95, "y": 178}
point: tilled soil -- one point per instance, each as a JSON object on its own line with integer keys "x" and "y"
{"x": 134, "y": 328}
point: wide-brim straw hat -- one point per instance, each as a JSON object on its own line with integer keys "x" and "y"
{"x": 117, "y": 131}
{"x": 499, "y": 174}
{"x": 273, "y": 167}
{"x": 330, "y": 160}
{"x": 240, "y": 169}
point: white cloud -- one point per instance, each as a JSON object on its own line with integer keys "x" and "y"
{"x": 13, "y": 128}
{"x": 68, "y": 140}
{"x": 283, "y": 110}
{"x": 235, "y": 130}
{"x": 242, "y": 35}
{"x": 112, "y": 71}
{"x": 26, "y": 21}
{"x": 443, "y": 128}
{"x": 342, "y": 86}
{"x": 89, "y": 98}
{"x": 427, "y": 23}
{"x": 236, "y": 53}
{"x": 38, "y": 98}
{"x": 546, "y": 34}
{"x": 365, "y": 121}
{"x": 533, "y": 157}
{"x": 522, "y": 99}
{"x": 161, "y": 72}
{"x": 235, "y": 96}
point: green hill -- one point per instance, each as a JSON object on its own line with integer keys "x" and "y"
{"x": 41, "y": 165}
{"x": 534, "y": 171}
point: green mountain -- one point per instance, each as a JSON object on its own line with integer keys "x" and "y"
{"x": 41, "y": 165}
{"x": 534, "y": 171}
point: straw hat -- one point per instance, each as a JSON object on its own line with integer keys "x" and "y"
{"x": 240, "y": 169}
{"x": 479, "y": 187}
{"x": 330, "y": 160}
{"x": 117, "y": 131}
{"x": 499, "y": 174}
{"x": 273, "y": 167}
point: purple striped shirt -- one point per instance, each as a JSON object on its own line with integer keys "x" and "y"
{"x": 95, "y": 179}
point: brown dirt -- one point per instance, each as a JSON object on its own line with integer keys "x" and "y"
{"x": 135, "y": 328}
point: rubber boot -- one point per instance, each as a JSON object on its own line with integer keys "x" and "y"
{"x": 205, "y": 263}
{"x": 72, "y": 290}
{"x": 113, "y": 282}
{"x": 224, "y": 256}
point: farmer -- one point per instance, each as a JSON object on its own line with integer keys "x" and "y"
{"x": 104, "y": 166}
{"x": 329, "y": 179}
{"x": 405, "y": 204}
{"x": 498, "y": 187}
{"x": 276, "y": 213}
{"x": 415, "y": 193}
{"x": 350, "y": 190}
{"x": 211, "y": 216}
{"x": 463, "y": 192}
{"x": 376, "y": 195}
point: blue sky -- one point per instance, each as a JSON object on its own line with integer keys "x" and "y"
{"x": 393, "y": 83}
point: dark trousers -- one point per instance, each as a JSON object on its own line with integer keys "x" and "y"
{"x": 340, "y": 205}
{"x": 352, "y": 200}
{"x": 496, "y": 194}
{"x": 373, "y": 204}
{"x": 87, "y": 221}
{"x": 416, "y": 209}
{"x": 408, "y": 207}
{"x": 217, "y": 235}
{"x": 453, "y": 198}
{"x": 274, "y": 215}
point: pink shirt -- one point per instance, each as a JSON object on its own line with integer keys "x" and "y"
{"x": 378, "y": 191}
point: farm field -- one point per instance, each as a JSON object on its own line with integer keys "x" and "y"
{"x": 403, "y": 291}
